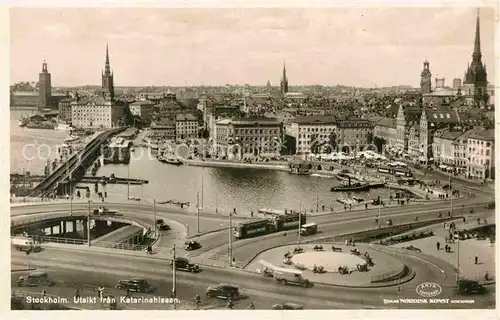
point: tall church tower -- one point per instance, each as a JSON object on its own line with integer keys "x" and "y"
{"x": 284, "y": 81}
{"x": 107, "y": 78}
{"x": 45, "y": 87}
{"x": 475, "y": 81}
{"x": 426, "y": 79}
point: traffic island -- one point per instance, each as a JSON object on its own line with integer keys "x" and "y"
{"x": 384, "y": 270}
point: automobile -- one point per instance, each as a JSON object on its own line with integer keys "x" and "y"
{"x": 191, "y": 245}
{"x": 223, "y": 291}
{"x": 467, "y": 286}
{"x": 412, "y": 248}
{"x": 135, "y": 285}
{"x": 163, "y": 227}
{"x": 183, "y": 264}
{"x": 490, "y": 205}
{"x": 35, "y": 279}
{"x": 287, "y": 306}
{"x": 160, "y": 221}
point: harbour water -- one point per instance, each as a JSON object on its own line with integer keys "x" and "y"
{"x": 223, "y": 188}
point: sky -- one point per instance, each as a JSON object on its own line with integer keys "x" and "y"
{"x": 363, "y": 47}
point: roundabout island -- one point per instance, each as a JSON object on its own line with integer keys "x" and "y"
{"x": 360, "y": 266}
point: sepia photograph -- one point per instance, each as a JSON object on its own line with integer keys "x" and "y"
{"x": 285, "y": 158}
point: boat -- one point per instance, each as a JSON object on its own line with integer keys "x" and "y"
{"x": 71, "y": 138}
{"x": 344, "y": 176}
{"x": 63, "y": 126}
{"x": 356, "y": 186}
{"x": 174, "y": 161}
{"x": 39, "y": 125}
{"x": 23, "y": 121}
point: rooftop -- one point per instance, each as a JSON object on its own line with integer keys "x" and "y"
{"x": 315, "y": 120}
{"x": 481, "y": 134}
{"x": 185, "y": 117}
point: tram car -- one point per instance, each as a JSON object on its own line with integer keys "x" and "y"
{"x": 277, "y": 223}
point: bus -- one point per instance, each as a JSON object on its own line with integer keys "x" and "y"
{"x": 308, "y": 229}
{"x": 253, "y": 228}
{"x": 288, "y": 221}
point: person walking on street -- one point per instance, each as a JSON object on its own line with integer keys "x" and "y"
{"x": 438, "y": 245}
{"x": 44, "y": 292}
{"x": 77, "y": 293}
{"x": 476, "y": 258}
{"x": 251, "y": 306}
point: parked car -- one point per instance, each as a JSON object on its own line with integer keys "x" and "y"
{"x": 163, "y": 227}
{"x": 135, "y": 285}
{"x": 412, "y": 248}
{"x": 223, "y": 291}
{"x": 288, "y": 306}
{"x": 183, "y": 264}
{"x": 35, "y": 279}
{"x": 191, "y": 245}
{"x": 466, "y": 286}
{"x": 490, "y": 205}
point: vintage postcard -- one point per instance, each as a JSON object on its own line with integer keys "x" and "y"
{"x": 286, "y": 158}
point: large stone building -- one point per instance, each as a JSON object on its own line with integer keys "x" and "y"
{"x": 248, "y": 138}
{"x": 385, "y": 130}
{"x": 312, "y": 133}
{"x": 415, "y": 129}
{"x": 450, "y": 149}
{"x": 44, "y": 98}
{"x": 162, "y": 130}
{"x": 354, "y": 134}
{"x": 476, "y": 78}
{"x": 481, "y": 154}
{"x": 186, "y": 126}
{"x": 143, "y": 109}
{"x": 426, "y": 79}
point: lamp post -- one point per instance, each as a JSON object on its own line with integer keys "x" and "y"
{"x": 317, "y": 197}
{"x": 198, "y": 213}
{"x": 230, "y": 248}
{"x": 174, "y": 279}
{"x": 88, "y": 223}
{"x": 300, "y": 216}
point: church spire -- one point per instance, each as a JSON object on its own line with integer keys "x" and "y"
{"x": 477, "y": 40}
{"x": 107, "y": 68}
{"x": 284, "y": 80}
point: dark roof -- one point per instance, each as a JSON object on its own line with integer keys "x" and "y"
{"x": 315, "y": 120}
{"x": 385, "y": 122}
{"x": 355, "y": 123}
{"x": 442, "y": 115}
{"x": 481, "y": 134}
{"x": 163, "y": 123}
{"x": 185, "y": 117}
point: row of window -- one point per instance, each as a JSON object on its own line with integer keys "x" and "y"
{"x": 256, "y": 131}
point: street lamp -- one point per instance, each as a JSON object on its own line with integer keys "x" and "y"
{"x": 88, "y": 223}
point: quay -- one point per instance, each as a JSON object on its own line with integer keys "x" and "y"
{"x": 113, "y": 180}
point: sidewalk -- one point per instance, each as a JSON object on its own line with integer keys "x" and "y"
{"x": 468, "y": 249}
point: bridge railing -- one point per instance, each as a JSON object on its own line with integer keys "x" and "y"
{"x": 63, "y": 240}
{"x": 21, "y": 222}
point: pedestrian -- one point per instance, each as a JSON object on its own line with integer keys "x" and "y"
{"x": 323, "y": 208}
{"x": 476, "y": 258}
{"x": 463, "y": 219}
{"x": 366, "y": 206}
{"x": 44, "y": 292}
{"x": 438, "y": 245}
{"x": 129, "y": 293}
{"x": 77, "y": 293}
{"x": 251, "y": 214}
{"x": 445, "y": 226}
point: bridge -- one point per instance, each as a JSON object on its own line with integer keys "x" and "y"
{"x": 58, "y": 181}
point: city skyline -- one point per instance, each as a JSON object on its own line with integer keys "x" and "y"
{"x": 177, "y": 47}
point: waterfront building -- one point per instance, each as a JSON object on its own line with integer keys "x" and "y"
{"x": 65, "y": 110}
{"x": 118, "y": 151}
{"x": 44, "y": 98}
{"x": 186, "y": 126}
{"x": 481, "y": 154}
{"x": 248, "y": 138}
{"x": 312, "y": 133}
{"x": 162, "y": 130}
{"x": 143, "y": 109}
{"x": 354, "y": 134}
{"x": 96, "y": 113}
{"x": 385, "y": 130}
{"x": 476, "y": 78}
{"x": 450, "y": 149}
{"x": 415, "y": 128}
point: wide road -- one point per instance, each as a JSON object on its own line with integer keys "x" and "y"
{"x": 68, "y": 268}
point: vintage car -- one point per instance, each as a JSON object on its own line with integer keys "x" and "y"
{"x": 288, "y": 306}
{"x": 223, "y": 291}
{"x": 191, "y": 245}
{"x": 135, "y": 285}
{"x": 412, "y": 248}
{"x": 183, "y": 264}
{"x": 35, "y": 279}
